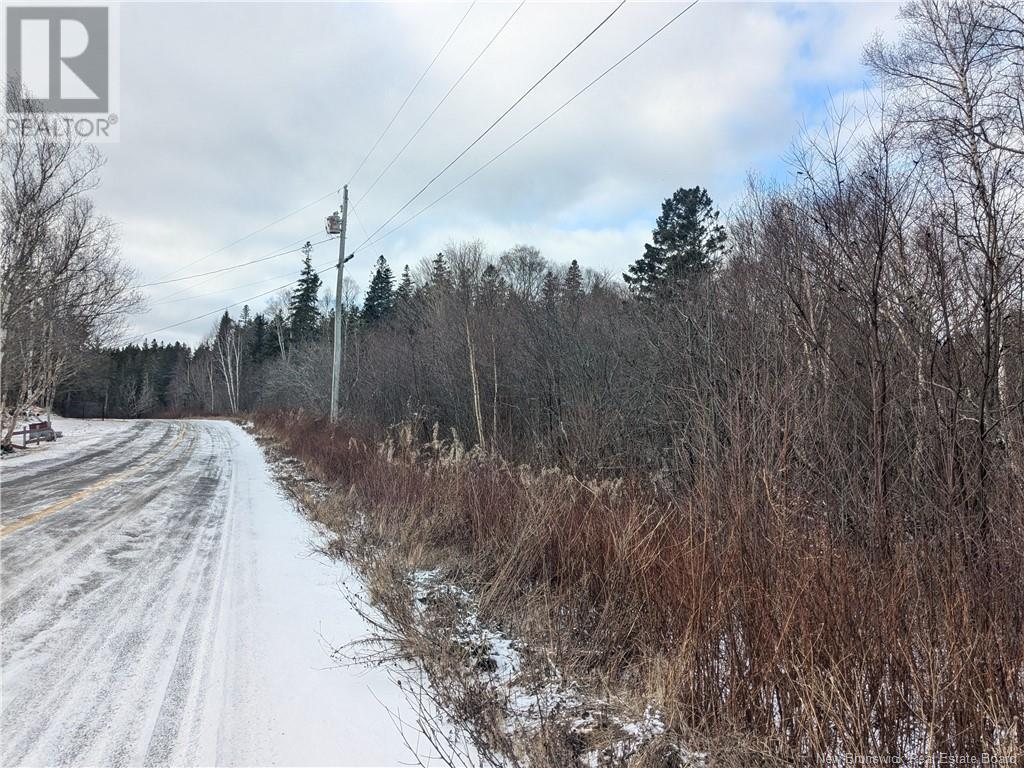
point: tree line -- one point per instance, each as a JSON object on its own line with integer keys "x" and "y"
{"x": 856, "y": 331}
{"x": 831, "y": 377}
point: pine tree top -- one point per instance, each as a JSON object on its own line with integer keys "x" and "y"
{"x": 380, "y": 296}
{"x": 688, "y": 241}
{"x": 304, "y": 304}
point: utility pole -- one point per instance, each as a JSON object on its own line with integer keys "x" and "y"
{"x": 336, "y": 374}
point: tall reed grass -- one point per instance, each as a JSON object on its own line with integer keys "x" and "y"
{"x": 732, "y": 607}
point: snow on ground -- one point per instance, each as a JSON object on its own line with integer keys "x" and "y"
{"x": 162, "y": 602}
{"x": 531, "y": 699}
{"x": 291, "y": 617}
{"x": 77, "y": 435}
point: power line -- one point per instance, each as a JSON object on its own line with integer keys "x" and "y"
{"x": 178, "y": 297}
{"x": 187, "y": 289}
{"x": 328, "y": 194}
{"x": 243, "y": 238}
{"x": 147, "y": 334}
{"x": 359, "y": 220}
{"x": 440, "y": 103}
{"x": 552, "y": 114}
{"x": 219, "y": 291}
{"x": 274, "y": 255}
{"x": 491, "y": 127}
{"x": 409, "y": 95}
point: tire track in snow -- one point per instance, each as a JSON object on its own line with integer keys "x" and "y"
{"x": 113, "y": 623}
{"x": 177, "y": 617}
{"x": 34, "y": 484}
{"x": 17, "y": 474}
{"x": 60, "y": 545}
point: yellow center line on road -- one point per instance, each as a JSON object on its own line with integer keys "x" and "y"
{"x": 89, "y": 490}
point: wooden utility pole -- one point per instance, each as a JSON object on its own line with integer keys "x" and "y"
{"x": 336, "y": 374}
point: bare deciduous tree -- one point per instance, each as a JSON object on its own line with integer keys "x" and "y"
{"x": 63, "y": 287}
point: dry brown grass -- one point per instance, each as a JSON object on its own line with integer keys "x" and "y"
{"x": 732, "y": 610}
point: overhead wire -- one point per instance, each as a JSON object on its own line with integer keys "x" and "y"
{"x": 408, "y": 96}
{"x": 147, "y": 334}
{"x": 187, "y": 289}
{"x": 274, "y": 255}
{"x": 524, "y": 136}
{"x": 177, "y": 298}
{"x": 370, "y": 239}
{"x": 494, "y": 124}
{"x": 245, "y": 237}
{"x": 439, "y": 104}
{"x": 323, "y": 197}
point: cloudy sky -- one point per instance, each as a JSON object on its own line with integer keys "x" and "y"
{"x": 234, "y": 115}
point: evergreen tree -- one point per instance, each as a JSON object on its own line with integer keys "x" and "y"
{"x": 166, "y": 360}
{"x": 406, "y": 288}
{"x": 261, "y": 344}
{"x": 440, "y": 275}
{"x": 688, "y": 241}
{"x": 549, "y": 290}
{"x": 380, "y": 297}
{"x": 492, "y": 287}
{"x": 573, "y": 284}
{"x": 303, "y": 308}
{"x": 225, "y": 325}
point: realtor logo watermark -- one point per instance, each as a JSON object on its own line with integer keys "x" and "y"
{"x": 60, "y": 67}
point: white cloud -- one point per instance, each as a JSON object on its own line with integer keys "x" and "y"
{"x": 235, "y": 114}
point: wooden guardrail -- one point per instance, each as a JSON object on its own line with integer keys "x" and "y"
{"x": 37, "y": 432}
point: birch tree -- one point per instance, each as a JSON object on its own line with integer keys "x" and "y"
{"x": 63, "y": 286}
{"x": 227, "y": 345}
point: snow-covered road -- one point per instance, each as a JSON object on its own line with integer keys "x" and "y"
{"x": 161, "y": 605}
